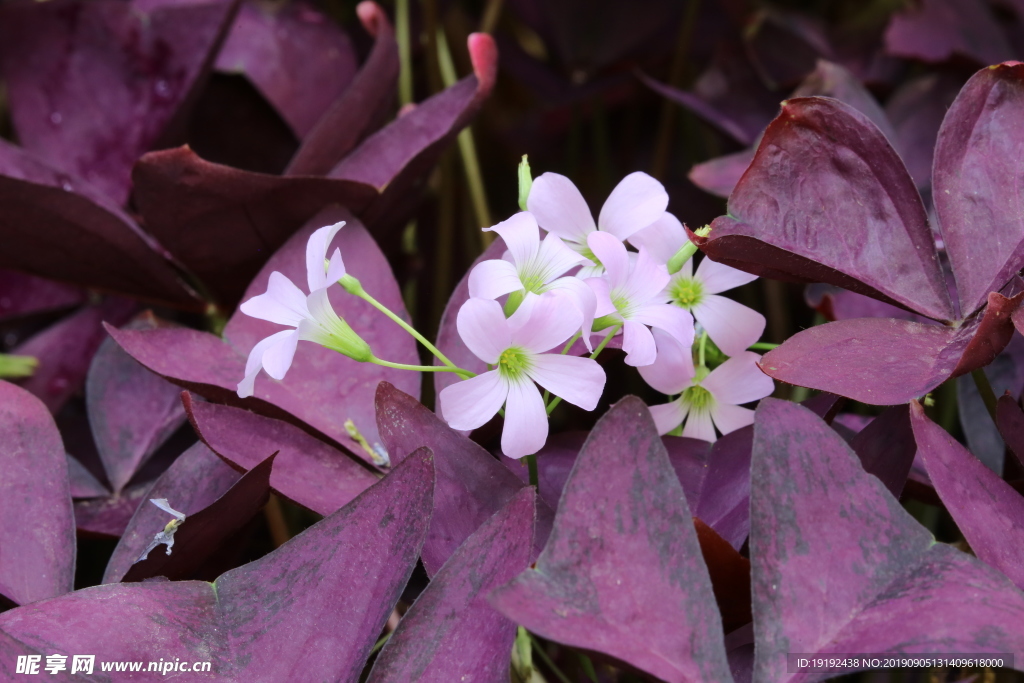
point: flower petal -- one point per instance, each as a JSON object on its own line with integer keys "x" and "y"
{"x": 638, "y": 343}
{"x": 277, "y": 358}
{"x": 739, "y": 380}
{"x": 728, "y": 418}
{"x": 483, "y": 329}
{"x": 731, "y": 325}
{"x": 472, "y": 402}
{"x": 560, "y": 208}
{"x": 602, "y": 291}
{"x": 662, "y": 238}
{"x": 255, "y": 361}
{"x": 526, "y": 420}
{"x": 610, "y": 250}
{"x": 335, "y": 269}
{"x": 492, "y": 278}
{"x": 580, "y": 381}
{"x": 549, "y": 321}
{"x": 521, "y": 236}
{"x": 647, "y": 280}
{"x": 636, "y": 202}
{"x": 316, "y": 253}
{"x": 699, "y": 426}
{"x": 668, "y": 416}
{"x": 554, "y": 258}
{"x": 283, "y": 302}
{"x": 676, "y": 321}
{"x": 717, "y": 277}
{"x": 672, "y": 371}
{"x": 584, "y": 298}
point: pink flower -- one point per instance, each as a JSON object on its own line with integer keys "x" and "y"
{"x": 636, "y": 202}
{"x": 516, "y": 346}
{"x": 731, "y": 325}
{"x": 707, "y": 400}
{"x": 633, "y": 293}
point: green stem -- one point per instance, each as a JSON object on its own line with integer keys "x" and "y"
{"x": 531, "y": 465}
{"x": 985, "y": 389}
{"x": 464, "y": 374}
{"x": 703, "y": 345}
{"x": 404, "y": 52}
{"x": 686, "y": 252}
{"x": 547, "y": 660}
{"x": 598, "y": 350}
{"x": 763, "y": 346}
{"x": 12, "y": 366}
{"x": 380, "y": 643}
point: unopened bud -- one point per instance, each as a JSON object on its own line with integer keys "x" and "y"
{"x": 525, "y": 182}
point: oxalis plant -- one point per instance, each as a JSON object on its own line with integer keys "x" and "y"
{"x": 711, "y": 534}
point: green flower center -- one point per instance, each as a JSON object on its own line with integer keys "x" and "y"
{"x": 686, "y": 292}
{"x": 533, "y": 282}
{"x": 698, "y": 398}
{"x": 621, "y": 303}
{"x": 513, "y": 363}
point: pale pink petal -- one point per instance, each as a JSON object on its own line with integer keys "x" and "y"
{"x": 731, "y": 325}
{"x": 255, "y": 361}
{"x": 278, "y": 356}
{"x": 699, "y": 426}
{"x": 549, "y": 322}
{"x": 636, "y": 202}
{"x": 483, "y": 328}
{"x": 560, "y": 208}
{"x": 521, "y": 236}
{"x": 590, "y": 271}
{"x": 554, "y": 259}
{"x": 492, "y": 278}
{"x": 662, "y": 238}
{"x": 283, "y": 303}
{"x": 676, "y": 321}
{"x": 668, "y": 416}
{"x": 610, "y": 250}
{"x": 602, "y": 290}
{"x": 585, "y": 299}
{"x": 672, "y": 371}
{"x": 638, "y": 343}
{"x": 686, "y": 271}
{"x": 580, "y": 381}
{"x": 316, "y": 254}
{"x": 728, "y": 418}
{"x": 647, "y": 280}
{"x": 472, "y": 402}
{"x": 526, "y": 420}
{"x": 739, "y": 380}
{"x": 335, "y": 269}
{"x": 717, "y": 277}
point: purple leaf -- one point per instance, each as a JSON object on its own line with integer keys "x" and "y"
{"x": 357, "y": 109}
{"x": 193, "y": 482}
{"x": 306, "y": 471}
{"x": 833, "y": 80}
{"x": 886, "y": 448}
{"x": 1005, "y": 374}
{"x": 724, "y": 496}
{"x": 836, "y": 303}
{"x": 66, "y": 349}
{"x": 827, "y": 163}
{"x": 82, "y": 482}
{"x": 471, "y": 485}
{"x": 730, "y": 576}
{"x": 37, "y": 526}
{"x": 916, "y": 111}
{"x": 56, "y": 226}
{"x": 977, "y": 183}
{"x": 987, "y": 510}
{"x": 451, "y": 633}
{"x": 554, "y": 462}
{"x": 720, "y": 175}
{"x": 11, "y": 649}
{"x": 315, "y": 605}
{"x": 223, "y": 223}
{"x": 323, "y": 388}
{"x": 622, "y": 573}
{"x": 201, "y": 534}
{"x": 785, "y": 46}
{"x": 1010, "y": 421}
{"x": 839, "y": 566}
{"x": 294, "y": 55}
{"x": 737, "y": 130}
{"x": 108, "y": 517}
{"x": 936, "y": 30}
{"x": 131, "y": 410}
{"x": 825, "y": 405}
{"x": 23, "y": 295}
{"x": 93, "y": 85}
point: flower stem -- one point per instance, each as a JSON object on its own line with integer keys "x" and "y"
{"x": 985, "y": 389}
{"x": 703, "y": 345}
{"x": 686, "y": 252}
{"x": 464, "y": 374}
{"x": 598, "y": 350}
{"x": 531, "y": 465}
{"x": 763, "y": 346}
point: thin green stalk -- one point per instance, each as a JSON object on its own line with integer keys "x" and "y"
{"x": 703, "y": 345}
{"x": 404, "y": 52}
{"x": 531, "y": 465}
{"x": 547, "y": 660}
{"x": 763, "y": 346}
{"x": 597, "y": 351}
{"x": 985, "y": 389}
{"x": 465, "y": 374}
{"x": 380, "y": 643}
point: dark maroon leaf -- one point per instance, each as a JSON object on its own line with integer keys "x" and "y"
{"x": 826, "y": 162}
{"x": 741, "y": 131}
{"x": 131, "y": 410}
{"x": 623, "y": 529}
{"x": 935, "y": 30}
{"x": 65, "y": 350}
{"x": 818, "y": 523}
{"x": 323, "y": 388}
{"x": 1010, "y": 420}
{"x": 724, "y": 497}
{"x": 824, "y": 405}
{"x": 987, "y": 510}
{"x": 294, "y": 55}
{"x": 223, "y": 223}
{"x": 306, "y": 471}
{"x": 833, "y": 80}
{"x": 451, "y": 633}
{"x": 37, "y": 526}
{"x": 56, "y": 226}
{"x": 357, "y": 109}
{"x": 202, "y": 533}
{"x": 916, "y": 111}
{"x": 977, "y": 183}
{"x": 23, "y": 295}
{"x": 886, "y": 448}
{"x": 471, "y": 485}
{"x": 108, "y": 517}
{"x": 82, "y": 482}
{"x": 730, "y": 576}
{"x": 94, "y": 84}
{"x": 836, "y": 303}
{"x": 193, "y": 482}
{"x": 311, "y": 609}
{"x": 720, "y": 175}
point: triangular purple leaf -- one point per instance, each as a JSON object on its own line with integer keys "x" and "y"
{"x": 622, "y": 573}
{"x": 108, "y": 517}
{"x": 23, "y": 295}
{"x": 886, "y": 448}
{"x": 83, "y": 483}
